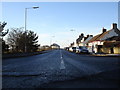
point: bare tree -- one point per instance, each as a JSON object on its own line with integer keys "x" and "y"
{"x": 13, "y": 38}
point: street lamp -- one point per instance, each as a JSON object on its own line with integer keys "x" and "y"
{"x": 73, "y": 30}
{"x": 51, "y": 39}
{"x": 35, "y": 7}
{"x": 26, "y": 23}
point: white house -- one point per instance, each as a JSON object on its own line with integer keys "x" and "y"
{"x": 55, "y": 46}
{"x": 95, "y": 44}
{"x": 85, "y": 40}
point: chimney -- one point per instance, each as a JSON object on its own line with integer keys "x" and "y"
{"x": 114, "y": 26}
{"x": 82, "y": 34}
{"x": 88, "y": 35}
{"x": 103, "y": 30}
{"x": 91, "y": 35}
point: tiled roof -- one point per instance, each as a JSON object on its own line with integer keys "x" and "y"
{"x": 102, "y": 35}
{"x": 99, "y": 36}
{"x": 116, "y": 38}
{"x": 94, "y": 38}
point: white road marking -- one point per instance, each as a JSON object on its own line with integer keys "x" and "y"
{"x": 62, "y": 65}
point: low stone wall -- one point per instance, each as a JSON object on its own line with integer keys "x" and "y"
{"x": 15, "y": 55}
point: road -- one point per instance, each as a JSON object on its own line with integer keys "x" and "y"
{"x": 60, "y": 68}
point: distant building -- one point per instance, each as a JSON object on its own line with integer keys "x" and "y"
{"x": 45, "y": 47}
{"x": 82, "y": 40}
{"x": 97, "y": 43}
{"x": 78, "y": 41}
{"x": 72, "y": 44}
{"x": 66, "y": 48}
{"x": 55, "y": 46}
{"x": 85, "y": 40}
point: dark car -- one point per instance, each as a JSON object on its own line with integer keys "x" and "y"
{"x": 82, "y": 49}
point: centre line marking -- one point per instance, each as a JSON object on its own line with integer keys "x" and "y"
{"x": 62, "y": 65}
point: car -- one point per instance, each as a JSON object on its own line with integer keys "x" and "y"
{"x": 82, "y": 49}
{"x": 72, "y": 49}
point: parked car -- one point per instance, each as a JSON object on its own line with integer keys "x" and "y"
{"x": 72, "y": 49}
{"x": 82, "y": 49}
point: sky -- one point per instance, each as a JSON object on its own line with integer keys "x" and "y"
{"x": 60, "y": 22}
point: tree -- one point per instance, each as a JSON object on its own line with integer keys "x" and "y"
{"x": 32, "y": 40}
{"x": 2, "y": 34}
{"x": 2, "y": 26}
{"x": 13, "y": 39}
{"x": 5, "y": 47}
{"x": 18, "y": 39}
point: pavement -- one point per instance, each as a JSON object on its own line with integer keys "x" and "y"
{"x": 109, "y": 55}
{"x": 58, "y": 69}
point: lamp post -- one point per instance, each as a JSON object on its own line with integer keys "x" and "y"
{"x": 73, "y": 30}
{"x": 51, "y": 39}
{"x": 26, "y": 24}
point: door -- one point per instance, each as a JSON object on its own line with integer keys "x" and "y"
{"x": 111, "y": 49}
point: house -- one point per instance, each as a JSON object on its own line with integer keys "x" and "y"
{"x": 97, "y": 43}
{"x": 78, "y": 41}
{"x": 82, "y": 40}
{"x": 85, "y": 40}
{"x": 55, "y": 46}
{"x": 45, "y": 47}
{"x": 111, "y": 45}
{"x": 72, "y": 44}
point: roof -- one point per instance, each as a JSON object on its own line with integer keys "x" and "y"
{"x": 54, "y": 44}
{"x": 116, "y": 38}
{"x": 103, "y": 34}
{"x": 94, "y": 38}
{"x": 100, "y": 36}
{"x": 111, "y": 44}
{"x": 79, "y": 39}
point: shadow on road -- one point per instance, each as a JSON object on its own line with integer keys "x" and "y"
{"x": 109, "y": 79}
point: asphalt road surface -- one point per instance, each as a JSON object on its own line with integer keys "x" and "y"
{"x": 61, "y": 69}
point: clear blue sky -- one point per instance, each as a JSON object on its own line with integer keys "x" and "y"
{"x": 58, "y": 18}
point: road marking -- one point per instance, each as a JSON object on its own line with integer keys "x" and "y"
{"x": 62, "y": 65}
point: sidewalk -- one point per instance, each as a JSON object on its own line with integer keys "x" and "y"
{"x": 109, "y": 55}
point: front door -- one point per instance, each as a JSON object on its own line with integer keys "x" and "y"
{"x": 111, "y": 49}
